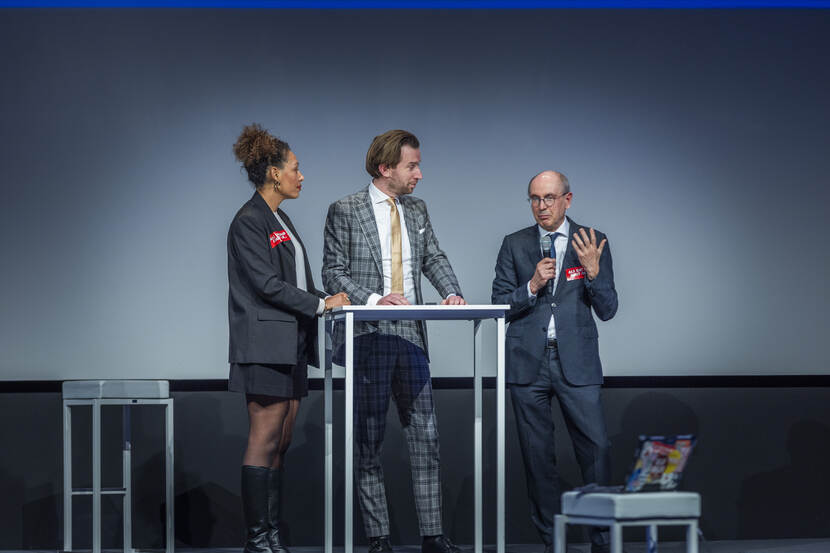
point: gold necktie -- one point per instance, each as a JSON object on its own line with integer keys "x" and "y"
{"x": 397, "y": 255}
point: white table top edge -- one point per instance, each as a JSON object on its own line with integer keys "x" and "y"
{"x": 434, "y": 312}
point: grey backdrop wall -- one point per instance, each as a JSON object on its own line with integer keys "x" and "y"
{"x": 696, "y": 139}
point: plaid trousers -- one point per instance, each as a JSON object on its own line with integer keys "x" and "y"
{"x": 387, "y": 365}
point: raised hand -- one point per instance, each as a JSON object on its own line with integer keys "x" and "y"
{"x": 588, "y": 251}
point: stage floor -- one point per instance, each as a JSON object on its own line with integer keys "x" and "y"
{"x": 737, "y": 546}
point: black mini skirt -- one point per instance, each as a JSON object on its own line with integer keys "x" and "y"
{"x": 286, "y": 381}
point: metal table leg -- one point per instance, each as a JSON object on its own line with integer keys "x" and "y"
{"x": 500, "y": 405}
{"x": 349, "y": 433}
{"x": 477, "y": 447}
{"x": 126, "y": 478}
{"x": 170, "y": 543}
{"x": 329, "y": 441}
{"x": 67, "y": 477}
{"x": 96, "y": 476}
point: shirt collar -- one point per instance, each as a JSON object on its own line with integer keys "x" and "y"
{"x": 377, "y": 195}
{"x": 563, "y": 229}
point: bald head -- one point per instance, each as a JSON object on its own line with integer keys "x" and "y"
{"x": 550, "y": 196}
{"x": 555, "y": 177}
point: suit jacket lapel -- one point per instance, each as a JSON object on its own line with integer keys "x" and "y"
{"x": 262, "y": 205}
{"x": 366, "y": 217}
{"x": 531, "y": 247}
{"x": 415, "y": 242}
{"x": 289, "y": 245}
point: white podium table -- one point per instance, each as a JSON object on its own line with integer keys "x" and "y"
{"x": 352, "y": 313}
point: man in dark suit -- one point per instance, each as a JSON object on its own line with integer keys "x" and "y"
{"x": 378, "y": 243}
{"x": 552, "y": 274}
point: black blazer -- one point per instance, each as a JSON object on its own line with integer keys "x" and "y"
{"x": 576, "y": 331}
{"x": 270, "y": 319}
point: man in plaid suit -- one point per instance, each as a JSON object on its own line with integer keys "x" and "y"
{"x": 378, "y": 242}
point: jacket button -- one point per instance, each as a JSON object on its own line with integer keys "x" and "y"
{"x": 553, "y": 305}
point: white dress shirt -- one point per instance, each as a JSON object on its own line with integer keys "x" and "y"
{"x": 560, "y": 244}
{"x": 383, "y": 216}
{"x": 299, "y": 263}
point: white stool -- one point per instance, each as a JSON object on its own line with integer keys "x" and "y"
{"x": 126, "y": 393}
{"x": 616, "y": 510}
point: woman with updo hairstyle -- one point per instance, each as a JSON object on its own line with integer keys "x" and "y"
{"x": 272, "y": 313}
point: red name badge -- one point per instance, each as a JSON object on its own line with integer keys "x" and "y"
{"x": 278, "y": 237}
{"x": 575, "y": 273}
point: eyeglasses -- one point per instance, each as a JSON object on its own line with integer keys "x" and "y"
{"x": 549, "y": 200}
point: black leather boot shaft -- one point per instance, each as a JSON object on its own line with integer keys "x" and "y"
{"x": 274, "y": 495}
{"x": 255, "y": 507}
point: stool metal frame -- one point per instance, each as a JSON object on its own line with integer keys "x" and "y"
{"x": 616, "y": 525}
{"x": 126, "y": 489}
{"x": 474, "y": 313}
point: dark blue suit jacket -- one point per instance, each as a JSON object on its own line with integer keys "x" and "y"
{"x": 571, "y": 302}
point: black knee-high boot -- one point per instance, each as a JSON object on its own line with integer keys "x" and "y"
{"x": 274, "y": 493}
{"x": 255, "y": 507}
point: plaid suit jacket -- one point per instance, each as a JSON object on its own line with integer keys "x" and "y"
{"x": 352, "y": 261}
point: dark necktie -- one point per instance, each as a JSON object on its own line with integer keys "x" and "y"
{"x": 552, "y": 254}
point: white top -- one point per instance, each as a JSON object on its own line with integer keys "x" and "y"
{"x": 560, "y": 244}
{"x": 299, "y": 256}
{"x": 383, "y": 217}
{"x": 299, "y": 263}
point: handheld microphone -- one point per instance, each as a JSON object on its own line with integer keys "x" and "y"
{"x": 548, "y": 251}
{"x": 546, "y": 244}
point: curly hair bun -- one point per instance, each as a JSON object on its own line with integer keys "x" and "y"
{"x": 256, "y": 148}
{"x": 254, "y": 145}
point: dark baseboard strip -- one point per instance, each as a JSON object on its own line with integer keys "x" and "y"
{"x": 721, "y": 381}
{"x": 30, "y": 386}
{"x": 465, "y": 383}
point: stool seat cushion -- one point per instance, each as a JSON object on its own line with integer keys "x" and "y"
{"x": 632, "y": 505}
{"x": 116, "y": 389}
